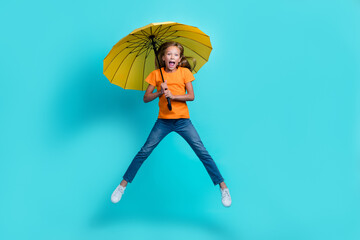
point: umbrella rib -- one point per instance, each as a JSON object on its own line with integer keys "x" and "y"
{"x": 168, "y": 35}
{"x": 187, "y": 38}
{"x": 175, "y": 31}
{"x": 203, "y": 34}
{"x": 158, "y": 39}
{"x": 143, "y": 37}
{"x": 157, "y": 30}
{"x": 135, "y": 47}
{"x": 114, "y": 58}
{"x": 136, "y": 41}
{"x": 145, "y": 33}
{"x": 119, "y": 66}
{"x": 148, "y": 52}
{"x": 130, "y": 46}
{"x": 139, "y": 46}
{"x": 194, "y": 52}
{"x": 143, "y": 78}
{"x": 166, "y": 30}
{"x": 142, "y": 50}
{"x": 127, "y": 77}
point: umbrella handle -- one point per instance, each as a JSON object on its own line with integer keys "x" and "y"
{"x": 157, "y": 59}
{"x": 169, "y": 103}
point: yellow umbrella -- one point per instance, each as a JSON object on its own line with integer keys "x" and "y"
{"x": 132, "y": 59}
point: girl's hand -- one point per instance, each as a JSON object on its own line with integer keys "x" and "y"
{"x": 168, "y": 94}
{"x": 165, "y": 89}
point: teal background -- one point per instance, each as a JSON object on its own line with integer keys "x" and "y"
{"x": 277, "y": 106}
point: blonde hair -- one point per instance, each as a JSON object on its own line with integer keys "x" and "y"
{"x": 184, "y": 60}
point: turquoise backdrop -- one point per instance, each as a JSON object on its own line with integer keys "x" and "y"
{"x": 277, "y": 106}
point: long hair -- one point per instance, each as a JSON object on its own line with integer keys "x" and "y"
{"x": 184, "y": 60}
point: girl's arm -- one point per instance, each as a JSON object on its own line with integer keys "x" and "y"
{"x": 149, "y": 95}
{"x": 190, "y": 96}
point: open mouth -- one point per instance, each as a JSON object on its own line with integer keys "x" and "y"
{"x": 171, "y": 64}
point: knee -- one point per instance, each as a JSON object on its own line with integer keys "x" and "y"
{"x": 145, "y": 151}
{"x": 198, "y": 145}
{"x": 200, "y": 149}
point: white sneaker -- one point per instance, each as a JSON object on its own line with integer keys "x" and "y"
{"x": 118, "y": 192}
{"x": 225, "y": 197}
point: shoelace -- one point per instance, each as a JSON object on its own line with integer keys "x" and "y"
{"x": 225, "y": 194}
{"x": 120, "y": 189}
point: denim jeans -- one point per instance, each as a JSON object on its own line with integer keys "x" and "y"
{"x": 185, "y": 129}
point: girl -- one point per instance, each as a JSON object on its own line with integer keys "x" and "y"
{"x": 178, "y": 88}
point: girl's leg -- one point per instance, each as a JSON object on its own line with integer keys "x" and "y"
{"x": 158, "y": 132}
{"x": 185, "y": 128}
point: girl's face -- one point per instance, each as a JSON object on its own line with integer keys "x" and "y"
{"x": 171, "y": 58}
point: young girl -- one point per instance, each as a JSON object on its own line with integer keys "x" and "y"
{"x": 178, "y": 88}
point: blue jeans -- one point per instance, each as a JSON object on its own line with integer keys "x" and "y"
{"x": 185, "y": 129}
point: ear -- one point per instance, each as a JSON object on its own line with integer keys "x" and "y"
{"x": 163, "y": 58}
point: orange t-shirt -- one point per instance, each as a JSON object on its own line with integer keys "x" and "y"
{"x": 176, "y": 84}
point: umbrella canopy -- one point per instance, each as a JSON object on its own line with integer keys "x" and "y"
{"x": 132, "y": 59}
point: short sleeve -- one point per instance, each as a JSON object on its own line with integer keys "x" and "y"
{"x": 188, "y": 76}
{"x": 151, "y": 79}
